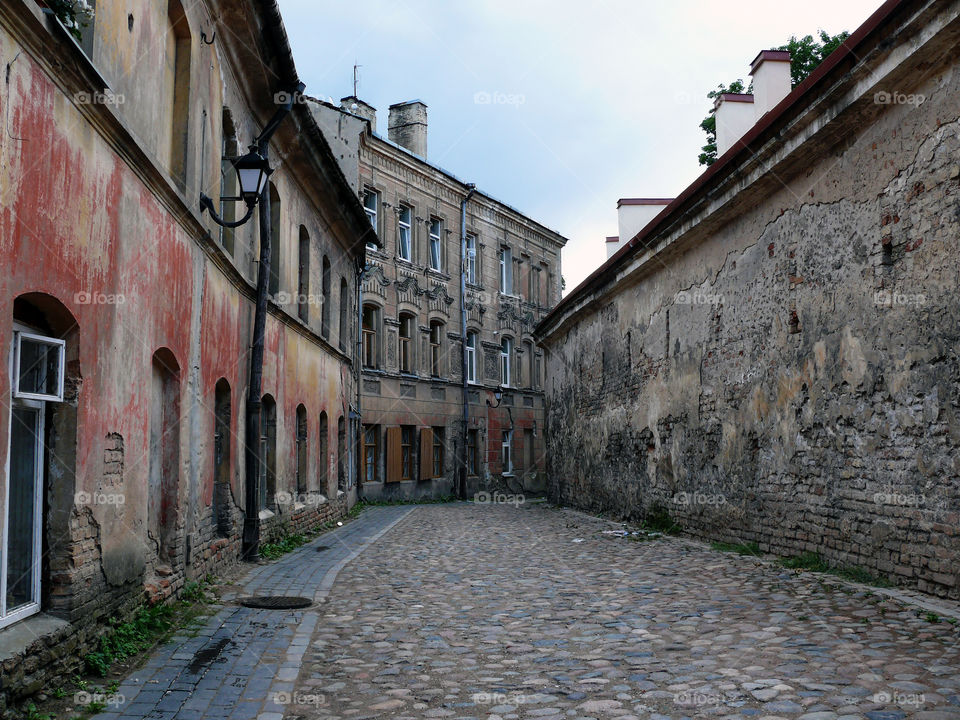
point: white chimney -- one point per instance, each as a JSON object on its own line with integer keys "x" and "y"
{"x": 771, "y": 80}
{"x": 734, "y": 116}
{"x": 613, "y": 244}
{"x": 633, "y": 214}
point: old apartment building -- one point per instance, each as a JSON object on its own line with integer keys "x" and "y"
{"x": 126, "y": 314}
{"x": 412, "y": 343}
{"x": 772, "y": 358}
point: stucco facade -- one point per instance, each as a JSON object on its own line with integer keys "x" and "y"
{"x": 773, "y": 359}
{"x": 411, "y": 389}
{"x": 139, "y": 472}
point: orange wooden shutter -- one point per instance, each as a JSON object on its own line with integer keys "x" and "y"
{"x": 394, "y": 455}
{"x": 426, "y": 453}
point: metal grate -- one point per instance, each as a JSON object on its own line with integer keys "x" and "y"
{"x": 276, "y": 602}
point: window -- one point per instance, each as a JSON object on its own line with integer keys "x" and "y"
{"x": 436, "y": 246}
{"x": 344, "y": 333}
{"x": 406, "y": 343}
{"x": 371, "y": 205}
{"x": 507, "y": 452}
{"x": 534, "y": 295}
{"x": 529, "y": 456}
{"x": 221, "y": 458}
{"x": 506, "y": 271}
{"x": 38, "y": 367}
{"x": 406, "y": 452}
{"x": 324, "y": 448}
{"x": 300, "y": 442}
{"x": 549, "y": 289}
{"x": 229, "y": 149}
{"x": 268, "y": 452}
{"x": 371, "y": 452}
{"x": 471, "y": 259}
{"x": 371, "y": 330}
{"x": 403, "y": 234}
{"x": 177, "y": 80}
{"x": 473, "y": 453}
{"x": 275, "y": 208}
{"x": 436, "y": 333}
{"x": 341, "y": 454}
{"x": 303, "y": 274}
{"x": 506, "y": 350}
{"x": 325, "y": 310}
{"x": 438, "y": 451}
{"x": 164, "y": 456}
{"x": 471, "y": 356}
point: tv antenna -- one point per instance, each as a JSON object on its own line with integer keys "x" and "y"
{"x": 356, "y": 78}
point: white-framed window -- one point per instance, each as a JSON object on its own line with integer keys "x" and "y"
{"x": 506, "y": 351}
{"x": 506, "y": 271}
{"x": 471, "y": 259}
{"x": 37, "y": 367}
{"x": 436, "y": 341}
{"x": 471, "y": 356}
{"x": 371, "y": 205}
{"x": 436, "y": 244}
{"x": 403, "y": 234}
{"x": 36, "y": 377}
{"x": 506, "y": 450}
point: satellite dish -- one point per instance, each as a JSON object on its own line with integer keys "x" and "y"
{"x": 354, "y": 107}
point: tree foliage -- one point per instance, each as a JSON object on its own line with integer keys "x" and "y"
{"x": 806, "y": 54}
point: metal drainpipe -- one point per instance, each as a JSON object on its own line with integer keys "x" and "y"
{"x": 462, "y": 480}
{"x": 361, "y": 273}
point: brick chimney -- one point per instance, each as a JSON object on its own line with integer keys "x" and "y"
{"x": 734, "y": 116}
{"x": 771, "y": 80}
{"x": 356, "y": 106}
{"x": 407, "y": 126}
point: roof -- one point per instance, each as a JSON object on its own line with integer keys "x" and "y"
{"x": 643, "y": 201}
{"x": 730, "y": 160}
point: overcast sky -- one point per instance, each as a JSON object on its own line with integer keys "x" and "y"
{"x": 557, "y": 108}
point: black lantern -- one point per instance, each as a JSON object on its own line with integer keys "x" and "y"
{"x": 253, "y": 170}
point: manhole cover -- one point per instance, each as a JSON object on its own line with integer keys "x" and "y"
{"x": 276, "y": 602}
{"x": 321, "y": 548}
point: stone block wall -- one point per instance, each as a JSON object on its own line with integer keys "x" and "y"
{"x": 789, "y": 375}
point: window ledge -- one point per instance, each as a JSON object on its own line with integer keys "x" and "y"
{"x": 438, "y": 273}
{"x": 17, "y": 637}
{"x": 266, "y": 514}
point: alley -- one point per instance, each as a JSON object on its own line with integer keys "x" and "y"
{"x": 485, "y": 611}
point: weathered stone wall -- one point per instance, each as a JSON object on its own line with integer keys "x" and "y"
{"x": 790, "y": 376}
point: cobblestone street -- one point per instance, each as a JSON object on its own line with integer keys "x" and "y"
{"x": 495, "y": 611}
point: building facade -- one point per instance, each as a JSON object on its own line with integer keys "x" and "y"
{"x": 412, "y": 344}
{"x": 772, "y": 358}
{"x": 126, "y": 315}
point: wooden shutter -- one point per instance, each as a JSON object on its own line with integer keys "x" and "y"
{"x": 426, "y": 453}
{"x": 394, "y": 455}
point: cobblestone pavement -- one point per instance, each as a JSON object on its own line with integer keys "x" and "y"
{"x": 501, "y": 612}
{"x": 242, "y": 660}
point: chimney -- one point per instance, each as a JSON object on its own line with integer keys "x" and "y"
{"x": 771, "y": 80}
{"x": 613, "y": 244}
{"x": 355, "y": 106}
{"x": 734, "y": 116}
{"x": 407, "y": 126}
{"x": 633, "y": 214}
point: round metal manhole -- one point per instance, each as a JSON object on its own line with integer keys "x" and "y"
{"x": 276, "y": 602}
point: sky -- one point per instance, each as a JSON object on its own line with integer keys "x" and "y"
{"x": 557, "y": 108}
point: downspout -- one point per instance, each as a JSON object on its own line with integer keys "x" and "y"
{"x": 462, "y": 479}
{"x": 358, "y": 360}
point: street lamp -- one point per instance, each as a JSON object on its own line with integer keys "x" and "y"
{"x": 252, "y": 170}
{"x": 498, "y": 394}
